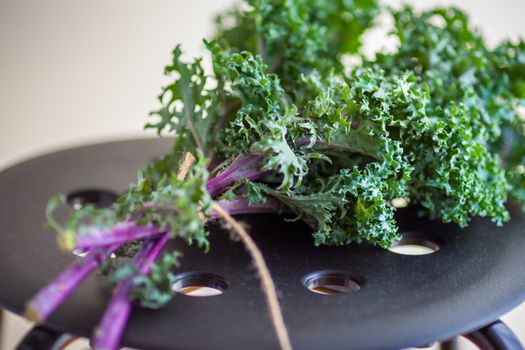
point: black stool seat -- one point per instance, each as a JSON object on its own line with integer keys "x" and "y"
{"x": 477, "y": 275}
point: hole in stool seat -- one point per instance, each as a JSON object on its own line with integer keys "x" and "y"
{"x": 97, "y": 197}
{"x": 414, "y": 243}
{"x": 199, "y": 284}
{"x": 332, "y": 282}
{"x": 80, "y": 252}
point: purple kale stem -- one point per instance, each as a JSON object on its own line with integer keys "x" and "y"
{"x": 304, "y": 141}
{"x": 53, "y": 294}
{"x": 241, "y": 167}
{"x": 121, "y": 232}
{"x": 220, "y": 183}
{"x": 241, "y": 161}
{"x": 249, "y": 166}
{"x": 241, "y": 205}
{"x": 109, "y": 331}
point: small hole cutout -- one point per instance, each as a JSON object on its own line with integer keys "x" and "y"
{"x": 98, "y": 198}
{"x": 80, "y": 252}
{"x": 400, "y": 202}
{"x": 415, "y": 244}
{"x": 332, "y": 282}
{"x": 199, "y": 284}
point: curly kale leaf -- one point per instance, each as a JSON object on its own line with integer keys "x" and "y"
{"x": 347, "y": 207}
{"x": 189, "y": 110}
{"x": 509, "y": 58}
{"x": 263, "y": 124}
{"x": 470, "y": 102}
{"x": 172, "y": 204}
{"x": 298, "y": 38}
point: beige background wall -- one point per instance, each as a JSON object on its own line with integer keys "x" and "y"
{"x": 74, "y": 72}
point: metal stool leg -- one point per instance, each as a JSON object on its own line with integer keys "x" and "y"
{"x": 42, "y": 338}
{"x": 451, "y": 344}
{"x": 495, "y": 336}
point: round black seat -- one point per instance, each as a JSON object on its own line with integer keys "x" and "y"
{"x": 476, "y": 276}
